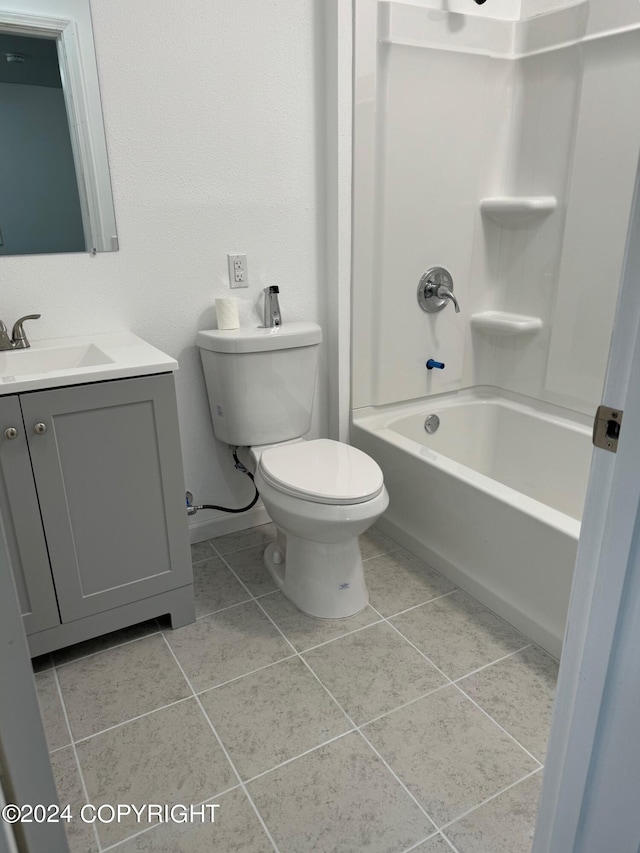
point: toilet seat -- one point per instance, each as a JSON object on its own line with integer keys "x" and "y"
{"x": 322, "y": 471}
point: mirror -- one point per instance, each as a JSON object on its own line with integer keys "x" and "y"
{"x": 55, "y": 188}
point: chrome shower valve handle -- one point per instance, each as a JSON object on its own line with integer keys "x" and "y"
{"x": 435, "y": 289}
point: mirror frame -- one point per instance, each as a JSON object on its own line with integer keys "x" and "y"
{"x": 84, "y": 112}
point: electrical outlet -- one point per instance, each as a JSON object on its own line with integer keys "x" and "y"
{"x": 238, "y": 273}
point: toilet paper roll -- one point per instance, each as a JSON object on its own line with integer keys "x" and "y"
{"x": 227, "y": 313}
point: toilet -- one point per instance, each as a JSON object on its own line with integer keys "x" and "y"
{"x": 320, "y": 494}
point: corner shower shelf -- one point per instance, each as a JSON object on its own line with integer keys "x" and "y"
{"x": 503, "y": 209}
{"x": 503, "y": 323}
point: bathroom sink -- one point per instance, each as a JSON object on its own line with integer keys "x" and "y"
{"x": 30, "y": 361}
{"x": 71, "y": 361}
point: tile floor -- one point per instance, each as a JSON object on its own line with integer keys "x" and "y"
{"x": 419, "y": 724}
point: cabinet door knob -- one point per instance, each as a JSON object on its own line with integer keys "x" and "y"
{"x": 40, "y": 429}
{"x": 11, "y": 432}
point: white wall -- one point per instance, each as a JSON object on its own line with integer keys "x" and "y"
{"x": 214, "y": 120}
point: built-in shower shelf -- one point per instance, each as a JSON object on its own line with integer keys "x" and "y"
{"x": 505, "y": 209}
{"x": 504, "y": 323}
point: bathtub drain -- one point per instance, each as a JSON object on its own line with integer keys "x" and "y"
{"x": 431, "y": 424}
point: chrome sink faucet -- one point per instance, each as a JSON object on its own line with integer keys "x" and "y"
{"x": 18, "y": 339}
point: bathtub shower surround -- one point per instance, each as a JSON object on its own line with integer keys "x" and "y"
{"x": 475, "y": 150}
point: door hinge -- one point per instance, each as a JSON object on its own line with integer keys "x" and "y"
{"x": 606, "y": 428}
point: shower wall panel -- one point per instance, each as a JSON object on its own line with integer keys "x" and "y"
{"x": 427, "y": 210}
{"x": 452, "y": 109}
{"x": 516, "y": 256}
{"x": 605, "y": 161}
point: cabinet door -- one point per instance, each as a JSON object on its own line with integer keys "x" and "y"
{"x": 108, "y": 470}
{"x": 23, "y": 526}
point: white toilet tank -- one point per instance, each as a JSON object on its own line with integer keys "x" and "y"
{"x": 260, "y": 381}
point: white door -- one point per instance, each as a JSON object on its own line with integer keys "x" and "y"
{"x": 7, "y": 838}
{"x": 25, "y": 768}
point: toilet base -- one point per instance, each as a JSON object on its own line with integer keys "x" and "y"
{"x": 324, "y": 580}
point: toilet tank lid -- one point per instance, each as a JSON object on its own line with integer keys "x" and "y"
{"x": 259, "y": 339}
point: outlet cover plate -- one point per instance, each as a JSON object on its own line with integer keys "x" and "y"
{"x": 238, "y": 271}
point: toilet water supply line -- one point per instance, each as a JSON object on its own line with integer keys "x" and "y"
{"x": 192, "y": 509}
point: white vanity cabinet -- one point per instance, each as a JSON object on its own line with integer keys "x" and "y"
{"x": 92, "y": 502}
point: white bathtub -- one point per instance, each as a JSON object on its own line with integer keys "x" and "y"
{"x": 493, "y": 499}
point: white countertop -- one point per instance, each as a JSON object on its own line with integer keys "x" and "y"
{"x": 75, "y": 361}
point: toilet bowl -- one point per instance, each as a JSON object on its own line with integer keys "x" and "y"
{"x": 321, "y": 495}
